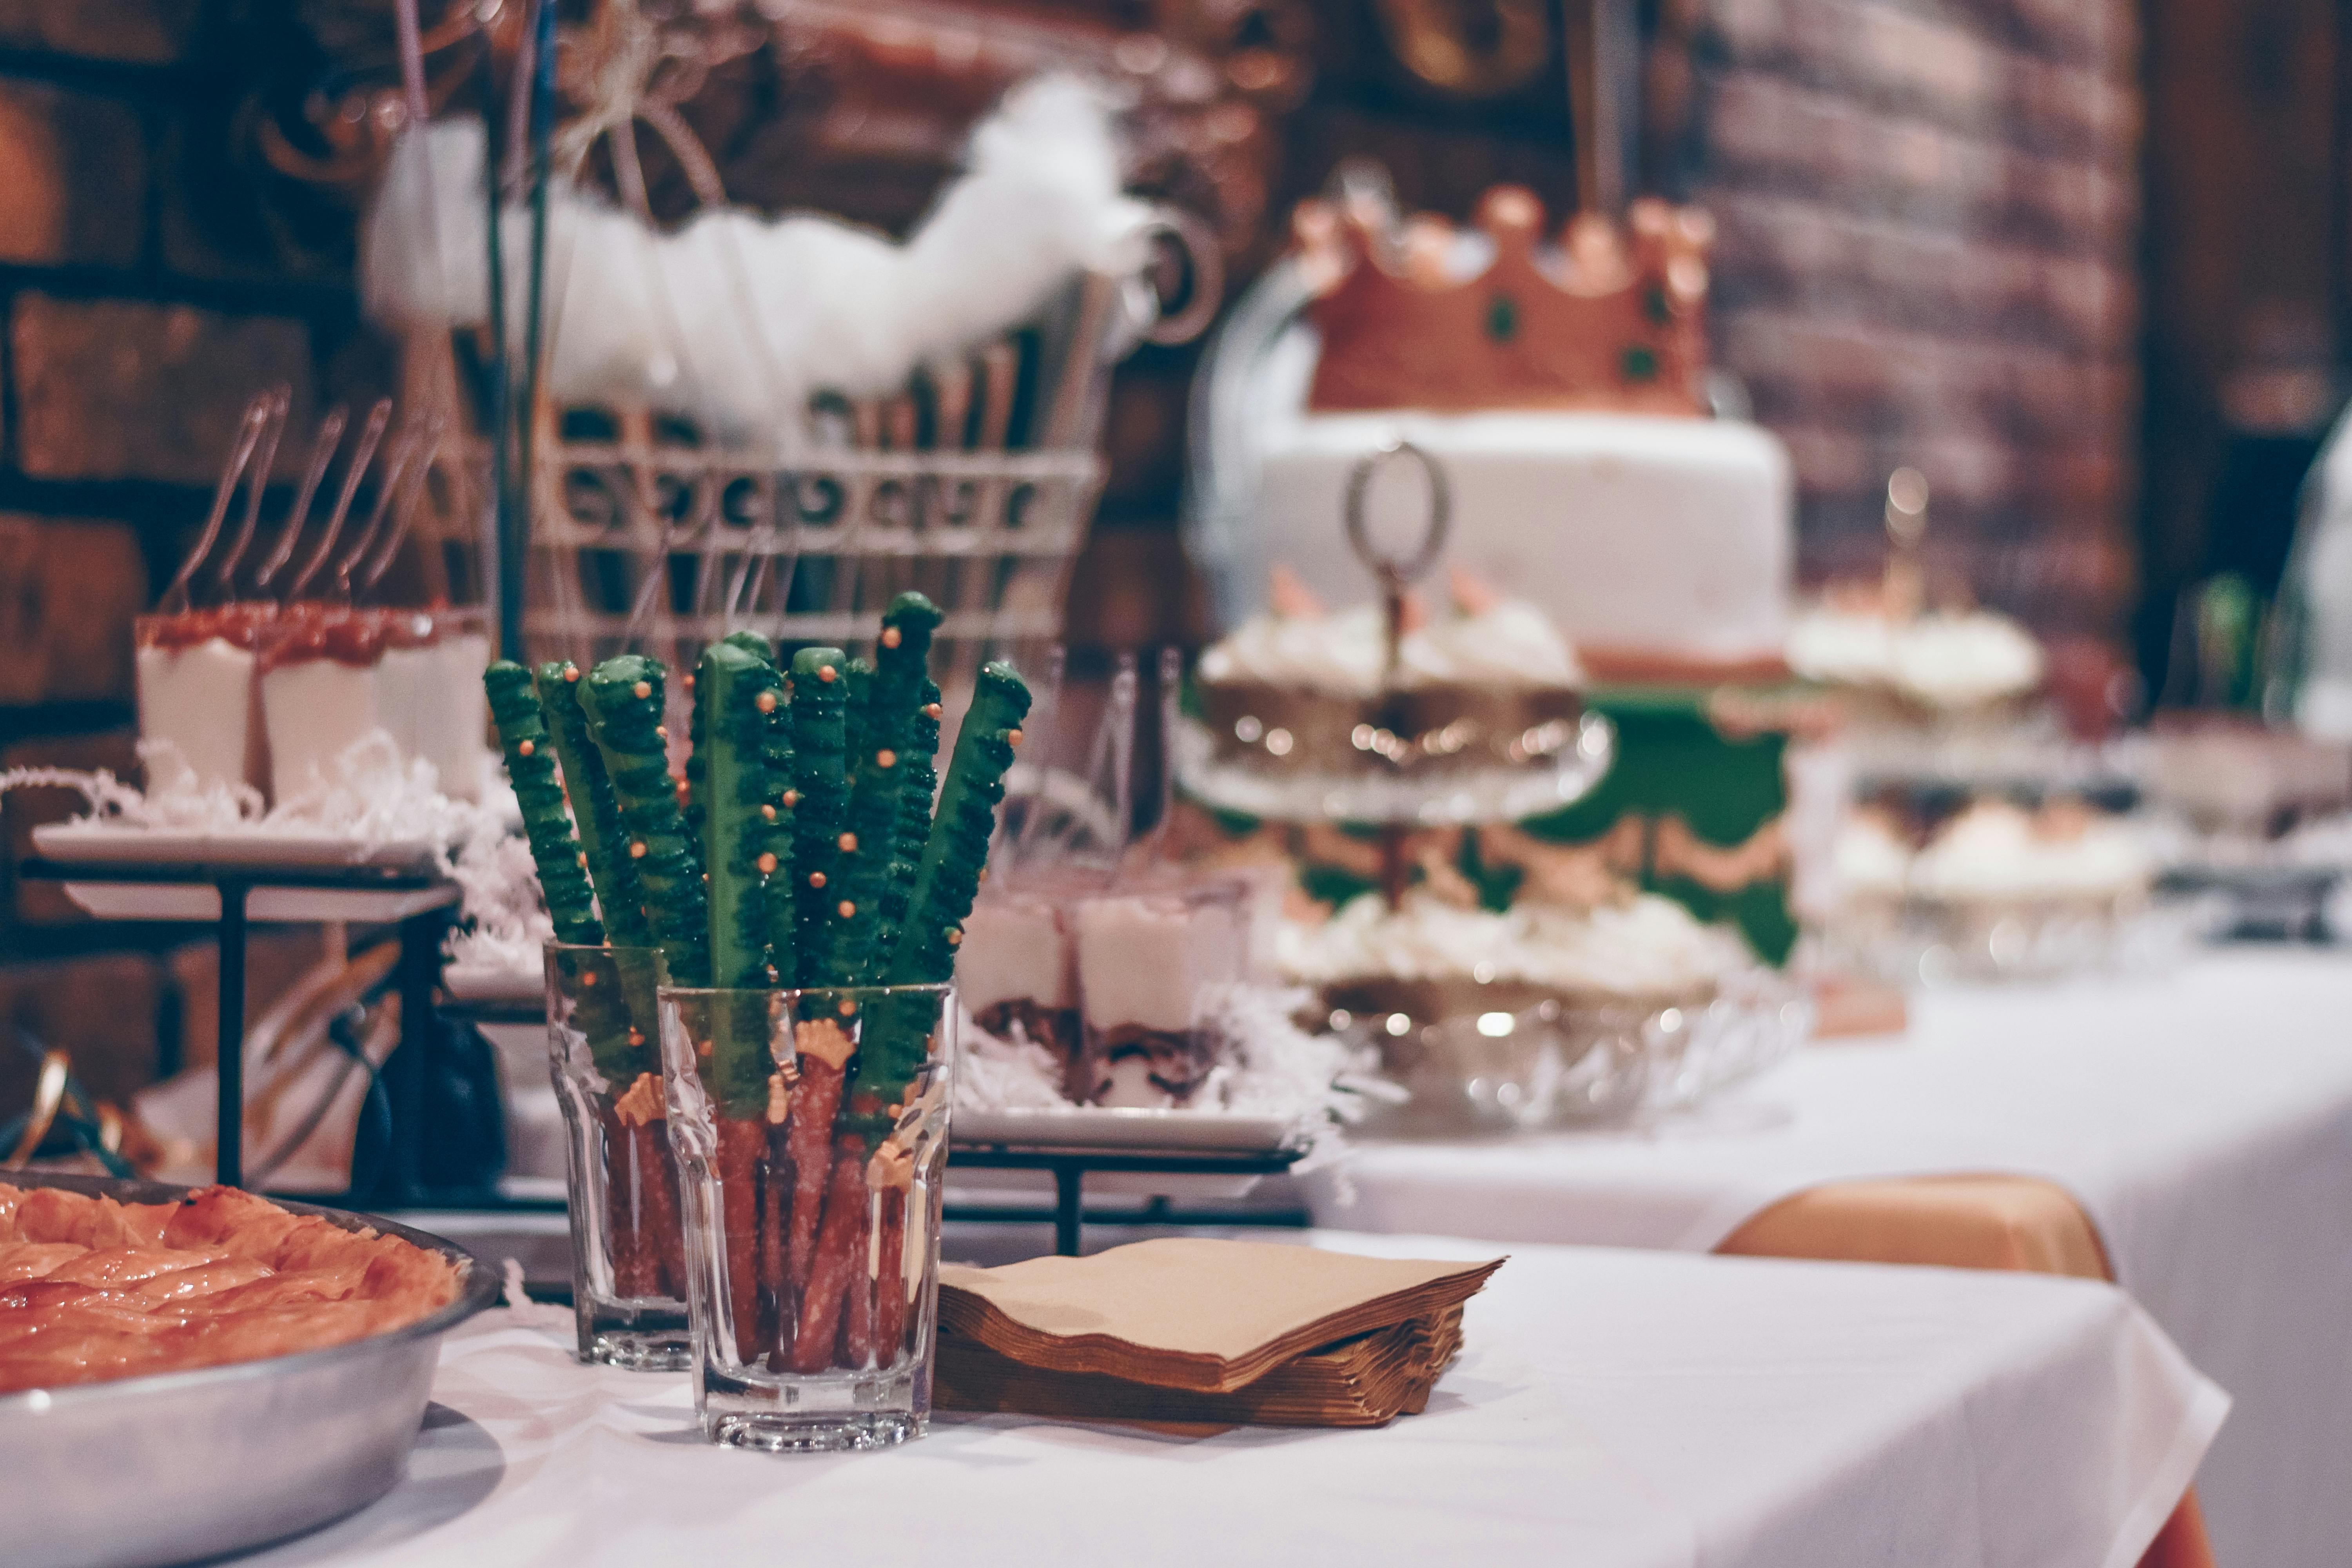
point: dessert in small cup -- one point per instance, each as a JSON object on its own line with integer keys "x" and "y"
{"x": 1018, "y": 979}
{"x": 329, "y": 676}
{"x": 1151, "y": 964}
{"x": 198, "y": 703}
{"x": 806, "y": 903}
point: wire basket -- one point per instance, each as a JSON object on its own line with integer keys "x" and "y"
{"x": 975, "y": 485}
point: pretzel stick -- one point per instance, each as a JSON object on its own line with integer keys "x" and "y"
{"x": 837, "y": 1257}
{"x": 824, "y": 1049}
{"x": 741, "y": 1145}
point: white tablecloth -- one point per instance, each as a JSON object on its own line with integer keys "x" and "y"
{"x": 2202, "y": 1119}
{"x": 1610, "y": 1409}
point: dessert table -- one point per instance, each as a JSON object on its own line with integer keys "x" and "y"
{"x": 1610, "y": 1408}
{"x": 2189, "y": 1134}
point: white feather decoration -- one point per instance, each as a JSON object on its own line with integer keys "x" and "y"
{"x": 737, "y": 318}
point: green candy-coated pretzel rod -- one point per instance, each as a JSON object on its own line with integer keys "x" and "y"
{"x": 956, "y": 850}
{"x": 891, "y": 1051}
{"x": 605, "y": 1015}
{"x": 622, "y": 696}
{"x": 783, "y": 908}
{"x": 736, "y": 835}
{"x": 735, "y": 692}
{"x": 620, "y": 896}
{"x": 531, "y": 764}
{"x": 819, "y": 802}
{"x": 693, "y": 800}
{"x": 860, "y": 677}
{"x": 890, "y": 703}
{"x": 915, "y": 793}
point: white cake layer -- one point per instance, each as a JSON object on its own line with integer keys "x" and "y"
{"x": 198, "y": 700}
{"x": 316, "y": 709}
{"x": 1013, "y": 950}
{"x": 1634, "y": 531}
{"x": 1151, "y": 960}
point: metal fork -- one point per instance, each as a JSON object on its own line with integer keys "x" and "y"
{"x": 263, "y": 421}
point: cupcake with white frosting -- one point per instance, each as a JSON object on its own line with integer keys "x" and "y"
{"x": 1430, "y": 958}
{"x": 1490, "y": 683}
{"x": 1995, "y": 854}
{"x": 1936, "y": 664}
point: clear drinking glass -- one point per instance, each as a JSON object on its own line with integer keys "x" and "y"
{"x": 811, "y": 1129}
{"x": 629, "y": 1249}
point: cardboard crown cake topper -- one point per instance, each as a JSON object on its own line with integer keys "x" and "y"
{"x": 1611, "y": 319}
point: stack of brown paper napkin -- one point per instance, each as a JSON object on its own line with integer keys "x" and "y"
{"x": 1218, "y": 1333}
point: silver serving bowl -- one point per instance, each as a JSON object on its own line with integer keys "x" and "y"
{"x": 1519, "y": 1064}
{"x": 184, "y": 1465}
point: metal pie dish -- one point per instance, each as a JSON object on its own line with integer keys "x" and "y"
{"x": 176, "y": 1466}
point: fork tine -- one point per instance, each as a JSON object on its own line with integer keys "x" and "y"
{"x": 257, "y": 413}
{"x": 363, "y": 455}
{"x": 314, "y": 474}
{"x": 396, "y": 471}
{"x": 265, "y": 460}
{"x": 409, "y": 496}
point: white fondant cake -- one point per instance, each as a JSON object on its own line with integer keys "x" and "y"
{"x": 1636, "y": 533}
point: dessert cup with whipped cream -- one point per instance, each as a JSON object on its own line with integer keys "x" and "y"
{"x": 1018, "y": 979}
{"x": 199, "y": 706}
{"x": 1151, "y": 966}
{"x": 330, "y": 676}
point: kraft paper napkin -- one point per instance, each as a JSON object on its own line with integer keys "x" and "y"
{"x": 1192, "y": 1313}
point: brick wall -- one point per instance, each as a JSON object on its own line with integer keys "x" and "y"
{"x": 140, "y": 306}
{"x": 1928, "y": 220}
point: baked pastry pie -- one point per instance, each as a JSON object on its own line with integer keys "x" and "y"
{"x": 92, "y": 1289}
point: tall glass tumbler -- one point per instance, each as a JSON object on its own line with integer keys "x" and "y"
{"x": 628, "y": 1249}
{"x": 811, "y": 1129}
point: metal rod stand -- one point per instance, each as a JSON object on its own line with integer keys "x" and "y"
{"x": 1068, "y": 1168}
{"x": 228, "y": 1137}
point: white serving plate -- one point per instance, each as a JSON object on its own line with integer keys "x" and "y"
{"x": 1123, "y": 1129}
{"x": 200, "y": 903}
{"x": 95, "y": 843}
{"x": 492, "y": 983}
